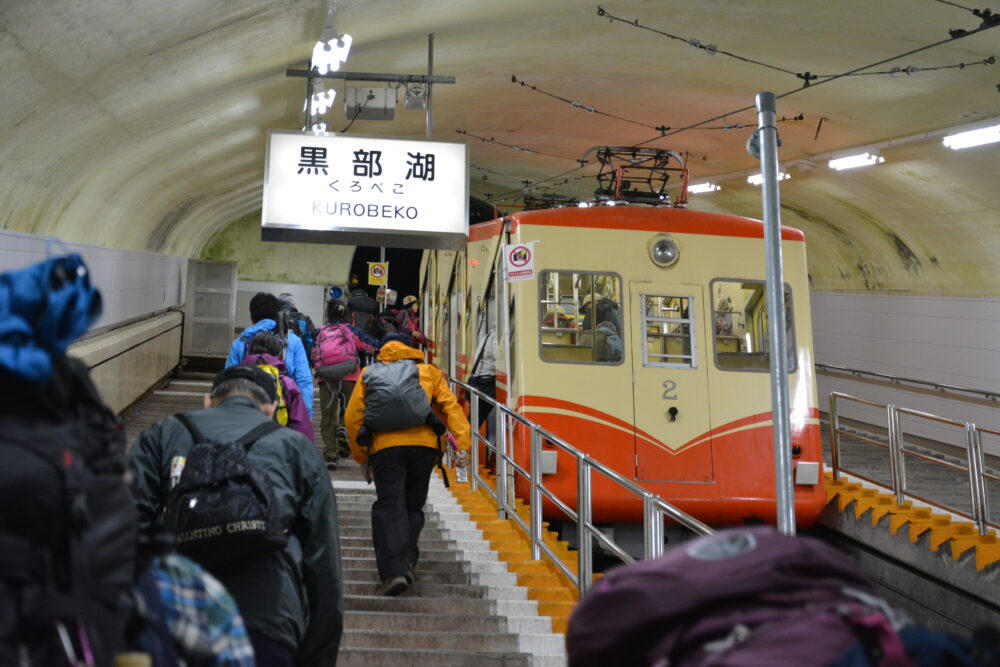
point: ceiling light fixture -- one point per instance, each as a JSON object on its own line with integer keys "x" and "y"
{"x": 985, "y": 135}
{"x": 330, "y": 55}
{"x": 702, "y": 187}
{"x": 758, "y": 179}
{"x": 853, "y": 161}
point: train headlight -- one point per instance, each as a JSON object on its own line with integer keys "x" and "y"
{"x": 664, "y": 252}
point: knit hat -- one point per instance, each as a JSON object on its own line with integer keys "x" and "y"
{"x": 399, "y": 337}
{"x": 252, "y": 373}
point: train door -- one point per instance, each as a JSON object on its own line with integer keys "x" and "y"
{"x": 670, "y": 383}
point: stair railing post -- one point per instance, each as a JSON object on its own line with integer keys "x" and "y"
{"x": 585, "y": 566}
{"x": 474, "y": 454}
{"x": 499, "y": 455}
{"x": 895, "y": 474}
{"x": 535, "y": 499}
{"x": 834, "y": 436}
{"x": 977, "y": 485}
{"x": 652, "y": 533}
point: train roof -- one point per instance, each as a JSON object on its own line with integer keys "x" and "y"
{"x": 636, "y": 218}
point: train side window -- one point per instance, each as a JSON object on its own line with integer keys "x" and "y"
{"x": 669, "y": 324}
{"x": 739, "y": 321}
{"x": 580, "y": 317}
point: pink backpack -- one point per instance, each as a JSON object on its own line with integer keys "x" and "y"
{"x": 335, "y": 353}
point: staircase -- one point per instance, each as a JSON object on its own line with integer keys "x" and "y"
{"x": 464, "y": 607}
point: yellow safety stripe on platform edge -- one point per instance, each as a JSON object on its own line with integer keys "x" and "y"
{"x": 961, "y": 535}
{"x": 546, "y": 584}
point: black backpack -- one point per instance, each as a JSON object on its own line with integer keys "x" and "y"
{"x": 223, "y": 509}
{"x": 68, "y": 524}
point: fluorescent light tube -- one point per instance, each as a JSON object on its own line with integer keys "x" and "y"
{"x": 853, "y": 161}
{"x": 758, "y": 179}
{"x": 985, "y": 135}
{"x": 702, "y": 187}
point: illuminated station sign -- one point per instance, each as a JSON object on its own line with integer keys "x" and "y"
{"x": 360, "y": 190}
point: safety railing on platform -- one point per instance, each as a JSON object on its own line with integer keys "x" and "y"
{"x": 654, "y": 508}
{"x": 978, "y": 476}
{"x": 911, "y": 382}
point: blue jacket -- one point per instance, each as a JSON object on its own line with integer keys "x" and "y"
{"x": 296, "y": 363}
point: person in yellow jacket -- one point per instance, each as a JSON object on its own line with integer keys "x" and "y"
{"x": 393, "y": 411}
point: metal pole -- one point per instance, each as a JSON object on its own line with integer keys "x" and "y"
{"x": 474, "y": 454}
{"x": 584, "y": 553}
{"x": 653, "y": 528}
{"x": 834, "y": 436}
{"x": 535, "y": 507}
{"x": 309, "y": 104}
{"x": 784, "y": 489}
{"x": 430, "y": 72}
{"x": 980, "y": 508}
{"x": 892, "y": 418}
{"x": 499, "y": 454}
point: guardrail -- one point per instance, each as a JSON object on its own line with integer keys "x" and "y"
{"x": 978, "y": 476}
{"x": 654, "y": 508}
{"x": 895, "y": 379}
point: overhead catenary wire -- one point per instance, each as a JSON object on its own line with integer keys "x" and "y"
{"x": 520, "y": 149}
{"x": 808, "y": 77}
{"x": 926, "y": 47}
{"x": 589, "y": 109}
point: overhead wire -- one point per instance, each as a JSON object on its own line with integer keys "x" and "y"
{"x": 969, "y": 33}
{"x": 520, "y": 149}
{"x": 589, "y": 109}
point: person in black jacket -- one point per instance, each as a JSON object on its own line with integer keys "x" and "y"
{"x": 291, "y": 599}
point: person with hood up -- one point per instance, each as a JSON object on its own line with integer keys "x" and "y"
{"x": 264, "y": 309}
{"x": 393, "y": 409}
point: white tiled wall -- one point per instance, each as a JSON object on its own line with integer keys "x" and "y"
{"x": 132, "y": 283}
{"x": 309, "y": 298}
{"x": 947, "y": 340}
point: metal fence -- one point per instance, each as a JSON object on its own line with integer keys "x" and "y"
{"x": 978, "y": 476}
{"x": 507, "y": 471}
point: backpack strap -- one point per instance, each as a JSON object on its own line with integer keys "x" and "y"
{"x": 247, "y": 440}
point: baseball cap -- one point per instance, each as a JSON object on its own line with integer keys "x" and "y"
{"x": 252, "y": 373}
{"x": 410, "y": 299}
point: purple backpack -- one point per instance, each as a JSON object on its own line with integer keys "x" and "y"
{"x": 743, "y": 597}
{"x": 292, "y": 410}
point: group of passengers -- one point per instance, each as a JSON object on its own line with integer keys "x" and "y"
{"x": 86, "y": 578}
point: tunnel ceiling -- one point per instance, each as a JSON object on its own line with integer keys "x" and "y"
{"x": 142, "y": 124}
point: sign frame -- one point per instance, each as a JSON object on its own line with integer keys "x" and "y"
{"x": 351, "y": 235}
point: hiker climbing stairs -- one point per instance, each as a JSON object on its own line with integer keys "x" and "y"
{"x": 465, "y": 607}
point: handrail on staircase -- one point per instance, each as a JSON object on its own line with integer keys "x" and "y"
{"x": 654, "y": 507}
{"x": 940, "y": 386}
{"x": 978, "y": 475}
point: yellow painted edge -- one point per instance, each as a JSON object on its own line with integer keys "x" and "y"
{"x": 961, "y": 534}
{"x": 546, "y": 584}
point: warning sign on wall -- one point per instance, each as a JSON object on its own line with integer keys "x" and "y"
{"x": 378, "y": 273}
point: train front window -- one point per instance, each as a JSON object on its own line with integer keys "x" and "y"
{"x": 670, "y": 327}
{"x": 739, "y": 320}
{"x": 580, "y": 317}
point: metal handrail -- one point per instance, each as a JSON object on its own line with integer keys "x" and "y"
{"x": 978, "y": 476}
{"x": 990, "y": 395}
{"x": 654, "y": 507}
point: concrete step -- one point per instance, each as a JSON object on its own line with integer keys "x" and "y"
{"x": 387, "y": 657}
{"x": 430, "y": 554}
{"x": 433, "y": 590}
{"x": 358, "y": 541}
{"x": 431, "y": 606}
{"x": 449, "y": 640}
{"x": 369, "y": 574}
{"x": 389, "y": 621}
{"x": 456, "y": 566}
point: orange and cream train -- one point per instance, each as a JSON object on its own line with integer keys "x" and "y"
{"x": 638, "y": 335}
